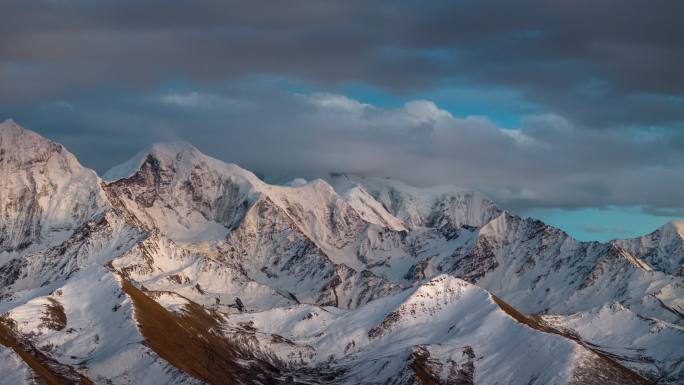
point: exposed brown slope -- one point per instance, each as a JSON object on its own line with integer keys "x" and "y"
{"x": 48, "y": 370}
{"x": 602, "y": 371}
{"x": 191, "y": 342}
{"x": 53, "y": 316}
{"x": 428, "y": 371}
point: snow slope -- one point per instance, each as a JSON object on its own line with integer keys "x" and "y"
{"x": 446, "y": 329}
{"x": 349, "y": 280}
{"x": 648, "y": 345}
{"x": 443, "y": 207}
{"x": 45, "y": 192}
{"x": 662, "y": 249}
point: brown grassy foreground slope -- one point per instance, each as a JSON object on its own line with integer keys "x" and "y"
{"x": 46, "y": 369}
{"x": 192, "y": 343}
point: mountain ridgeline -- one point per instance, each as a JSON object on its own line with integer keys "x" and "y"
{"x": 177, "y": 268}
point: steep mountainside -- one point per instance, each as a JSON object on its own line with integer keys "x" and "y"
{"x": 178, "y": 268}
{"x": 46, "y": 193}
{"x": 662, "y": 249}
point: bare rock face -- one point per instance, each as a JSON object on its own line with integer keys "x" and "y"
{"x": 178, "y": 268}
{"x": 275, "y": 236}
{"x": 458, "y": 370}
{"x": 186, "y": 195}
{"x": 274, "y": 250}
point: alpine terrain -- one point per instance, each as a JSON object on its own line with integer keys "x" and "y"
{"x": 177, "y": 268}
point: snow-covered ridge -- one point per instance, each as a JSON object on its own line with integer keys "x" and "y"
{"x": 445, "y": 207}
{"x": 20, "y": 146}
{"x": 349, "y": 280}
{"x": 663, "y": 249}
{"x": 452, "y": 330}
{"x": 184, "y": 156}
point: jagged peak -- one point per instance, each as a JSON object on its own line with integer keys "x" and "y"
{"x": 182, "y": 163}
{"x": 442, "y": 281}
{"x": 8, "y": 124}
{"x": 369, "y": 208}
{"x": 173, "y": 149}
{"x": 673, "y": 229}
{"x": 374, "y": 183}
{"x": 425, "y": 301}
{"x": 10, "y": 131}
{"x": 161, "y": 151}
{"x": 14, "y": 136}
{"x": 181, "y": 156}
{"x": 662, "y": 249}
{"x": 445, "y": 206}
{"x": 441, "y": 289}
{"x": 19, "y": 145}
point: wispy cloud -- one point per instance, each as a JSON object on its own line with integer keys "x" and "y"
{"x": 194, "y": 99}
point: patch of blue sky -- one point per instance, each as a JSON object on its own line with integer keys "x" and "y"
{"x": 504, "y": 107}
{"x": 602, "y": 224}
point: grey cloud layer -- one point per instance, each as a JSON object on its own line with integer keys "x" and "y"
{"x": 549, "y": 162}
{"x": 605, "y": 79}
{"x": 612, "y": 62}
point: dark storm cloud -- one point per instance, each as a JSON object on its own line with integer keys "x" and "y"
{"x": 601, "y": 63}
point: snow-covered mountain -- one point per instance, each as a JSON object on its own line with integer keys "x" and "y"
{"x": 177, "y": 268}
{"x": 45, "y": 192}
{"x": 663, "y": 249}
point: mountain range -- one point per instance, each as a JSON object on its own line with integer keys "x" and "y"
{"x": 178, "y": 268}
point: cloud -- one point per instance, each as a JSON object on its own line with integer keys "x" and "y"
{"x": 596, "y": 90}
{"x": 600, "y": 65}
{"x": 548, "y": 163}
{"x": 194, "y": 99}
{"x": 338, "y": 102}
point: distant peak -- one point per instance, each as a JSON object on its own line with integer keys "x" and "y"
{"x": 180, "y": 153}
{"x": 381, "y": 183}
{"x": 673, "y": 228}
{"x": 25, "y": 144}
{"x": 171, "y": 148}
{"x": 7, "y": 123}
{"x": 10, "y": 127}
{"x": 180, "y": 156}
{"x": 165, "y": 152}
{"x": 677, "y": 224}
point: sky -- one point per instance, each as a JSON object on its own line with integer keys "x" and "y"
{"x": 570, "y": 111}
